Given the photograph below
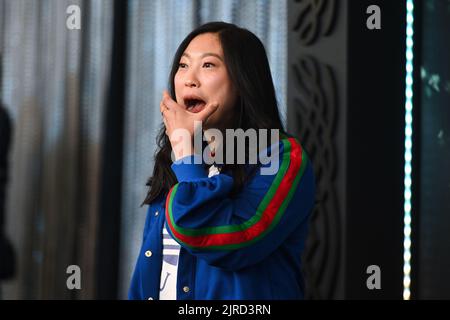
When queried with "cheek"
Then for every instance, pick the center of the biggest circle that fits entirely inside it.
(227, 97)
(212, 86)
(228, 101)
(219, 88)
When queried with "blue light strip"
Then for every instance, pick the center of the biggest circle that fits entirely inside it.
(408, 149)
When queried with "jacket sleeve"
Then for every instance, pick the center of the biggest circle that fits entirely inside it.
(236, 232)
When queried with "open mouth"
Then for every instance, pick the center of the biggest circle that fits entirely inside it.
(194, 105)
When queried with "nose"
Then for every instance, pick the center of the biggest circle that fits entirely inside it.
(191, 79)
(191, 83)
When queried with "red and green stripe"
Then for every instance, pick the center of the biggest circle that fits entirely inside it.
(267, 215)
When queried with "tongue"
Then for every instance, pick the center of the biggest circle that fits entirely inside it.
(197, 107)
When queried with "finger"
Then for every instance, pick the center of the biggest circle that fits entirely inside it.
(170, 103)
(165, 95)
(162, 108)
(208, 111)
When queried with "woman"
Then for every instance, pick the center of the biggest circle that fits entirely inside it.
(225, 231)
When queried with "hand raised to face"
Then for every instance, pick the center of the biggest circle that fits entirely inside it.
(176, 116)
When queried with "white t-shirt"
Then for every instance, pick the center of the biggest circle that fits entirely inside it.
(171, 253)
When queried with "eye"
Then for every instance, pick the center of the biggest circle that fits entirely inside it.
(208, 64)
(182, 65)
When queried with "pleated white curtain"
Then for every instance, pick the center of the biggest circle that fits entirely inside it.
(55, 82)
(155, 30)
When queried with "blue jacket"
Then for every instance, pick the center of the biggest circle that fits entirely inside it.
(244, 247)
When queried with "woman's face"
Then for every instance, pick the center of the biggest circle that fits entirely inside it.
(202, 78)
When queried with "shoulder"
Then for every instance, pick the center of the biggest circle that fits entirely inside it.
(286, 156)
(283, 170)
(293, 180)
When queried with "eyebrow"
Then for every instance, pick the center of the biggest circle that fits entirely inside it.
(204, 55)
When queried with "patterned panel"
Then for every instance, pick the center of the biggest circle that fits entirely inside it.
(314, 117)
(315, 19)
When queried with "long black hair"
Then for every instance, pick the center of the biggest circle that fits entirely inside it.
(256, 106)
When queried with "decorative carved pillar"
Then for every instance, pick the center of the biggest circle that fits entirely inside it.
(340, 83)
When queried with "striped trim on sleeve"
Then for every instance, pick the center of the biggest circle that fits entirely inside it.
(266, 217)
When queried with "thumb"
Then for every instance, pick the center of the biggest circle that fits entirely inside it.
(208, 111)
